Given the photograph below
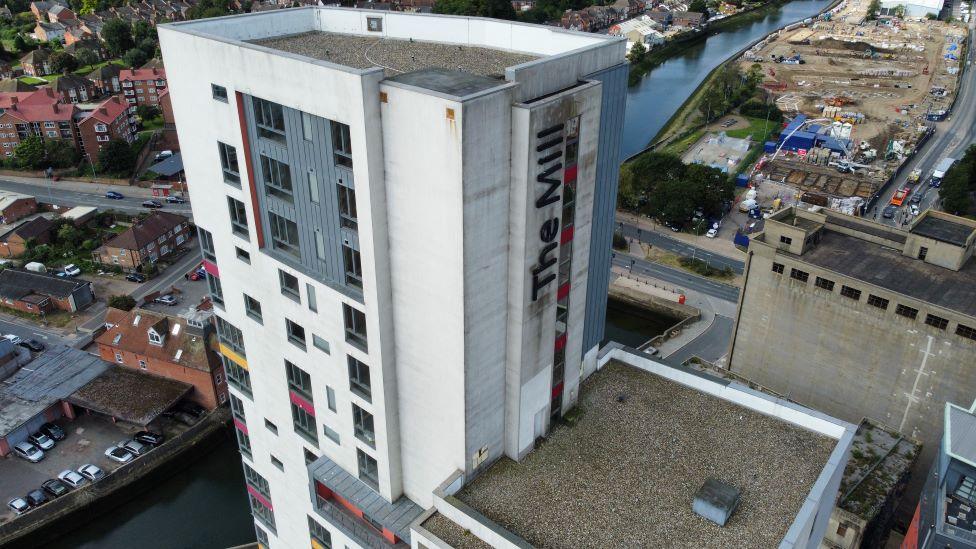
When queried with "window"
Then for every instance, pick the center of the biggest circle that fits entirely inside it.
(906, 311)
(230, 336)
(228, 162)
(922, 252)
(797, 274)
(289, 285)
(304, 423)
(313, 304)
(966, 332)
(308, 130)
(355, 324)
(347, 206)
(270, 426)
(936, 321)
(243, 442)
(270, 120)
(256, 481)
(284, 235)
(253, 308)
(243, 255)
(118, 358)
(216, 291)
(261, 536)
(320, 344)
(219, 92)
(277, 178)
(237, 377)
(142, 365)
(368, 471)
(313, 186)
(330, 434)
(319, 534)
(298, 380)
(359, 378)
(341, 146)
(353, 267)
(778, 268)
(878, 302)
(100, 128)
(206, 244)
(374, 24)
(362, 422)
(825, 284)
(238, 217)
(237, 407)
(785, 240)
(296, 334)
(277, 462)
(320, 252)
(847, 291)
(309, 456)
(330, 398)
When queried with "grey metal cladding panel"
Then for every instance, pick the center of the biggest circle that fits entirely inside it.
(613, 105)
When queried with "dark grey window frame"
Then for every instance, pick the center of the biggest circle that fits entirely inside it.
(346, 200)
(296, 334)
(284, 235)
(277, 178)
(363, 426)
(341, 144)
(352, 266)
(284, 280)
(269, 118)
(238, 218)
(360, 380)
(252, 308)
(354, 322)
(368, 469)
(229, 163)
(219, 93)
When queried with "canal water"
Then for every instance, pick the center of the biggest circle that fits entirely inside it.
(205, 505)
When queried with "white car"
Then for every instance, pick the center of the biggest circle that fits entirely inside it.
(91, 472)
(28, 451)
(13, 339)
(119, 454)
(712, 233)
(913, 209)
(72, 270)
(71, 478)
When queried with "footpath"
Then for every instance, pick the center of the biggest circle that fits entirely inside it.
(721, 245)
(74, 185)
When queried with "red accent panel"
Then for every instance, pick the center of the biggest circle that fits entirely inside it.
(249, 166)
(342, 501)
(911, 536)
(300, 401)
(563, 291)
(240, 426)
(569, 175)
(211, 268)
(260, 497)
(322, 491)
(560, 342)
(566, 235)
(557, 390)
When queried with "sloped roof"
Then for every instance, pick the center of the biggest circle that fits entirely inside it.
(69, 81)
(36, 56)
(13, 85)
(142, 74)
(105, 72)
(9, 197)
(107, 111)
(168, 167)
(31, 228)
(148, 230)
(15, 284)
(130, 332)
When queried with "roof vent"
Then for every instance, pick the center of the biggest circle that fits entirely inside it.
(622, 397)
(135, 321)
(716, 501)
(179, 353)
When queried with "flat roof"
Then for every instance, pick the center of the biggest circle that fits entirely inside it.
(943, 230)
(397, 56)
(130, 395)
(894, 271)
(960, 435)
(627, 470)
(880, 458)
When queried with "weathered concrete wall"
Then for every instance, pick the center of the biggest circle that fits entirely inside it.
(648, 301)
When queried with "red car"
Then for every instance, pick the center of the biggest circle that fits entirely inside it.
(198, 274)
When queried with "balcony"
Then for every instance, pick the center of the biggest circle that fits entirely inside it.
(353, 526)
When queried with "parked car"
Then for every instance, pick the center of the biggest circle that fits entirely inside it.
(53, 430)
(71, 478)
(55, 487)
(199, 274)
(175, 200)
(119, 454)
(135, 277)
(71, 270)
(13, 339)
(135, 447)
(184, 418)
(913, 208)
(152, 204)
(916, 198)
(114, 195)
(162, 155)
(19, 505)
(167, 299)
(889, 212)
(191, 408)
(36, 498)
(33, 345)
(28, 451)
(91, 472)
(149, 437)
(712, 233)
(41, 440)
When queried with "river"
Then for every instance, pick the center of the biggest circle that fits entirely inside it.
(205, 506)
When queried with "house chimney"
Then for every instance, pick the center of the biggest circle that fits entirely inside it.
(54, 107)
(13, 101)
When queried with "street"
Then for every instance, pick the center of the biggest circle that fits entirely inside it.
(677, 277)
(51, 193)
(710, 345)
(667, 243)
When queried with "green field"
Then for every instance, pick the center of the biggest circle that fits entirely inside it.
(759, 130)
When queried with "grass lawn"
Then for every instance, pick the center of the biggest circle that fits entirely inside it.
(33, 81)
(759, 130)
(152, 124)
(81, 71)
(681, 145)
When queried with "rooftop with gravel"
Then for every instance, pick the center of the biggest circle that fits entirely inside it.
(397, 56)
(625, 471)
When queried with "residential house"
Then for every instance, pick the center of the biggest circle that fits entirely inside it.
(40, 8)
(37, 62)
(13, 243)
(49, 31)
(7, 71)
(106, 79)
(577, 20)
(93, 24)
(661, 17)
(16, 206)
(75, 89)
(62, 14)
(40, 293)
(688, 19)
(641, 30)
(521, 5)
(169, 139)
(74, 42)
(146, 242)
(142, 86)
(107, 122)
(37, 114)
(168, 346)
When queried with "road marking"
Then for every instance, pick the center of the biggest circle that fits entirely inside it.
(921, 371)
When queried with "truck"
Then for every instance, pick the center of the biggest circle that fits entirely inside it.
(915, 175)
(899, 197)
(940, 170)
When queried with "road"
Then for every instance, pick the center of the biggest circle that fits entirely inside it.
(52, 194)
(677, 277)
(710, 345)
(952, 137)
(681, 248)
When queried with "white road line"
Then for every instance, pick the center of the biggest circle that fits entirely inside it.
(921, 371)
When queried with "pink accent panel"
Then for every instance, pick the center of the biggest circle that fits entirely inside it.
(211, 268)
(240, 426)
(299, 401)
(260, 497)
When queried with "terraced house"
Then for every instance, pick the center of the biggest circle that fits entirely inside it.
(156, 236)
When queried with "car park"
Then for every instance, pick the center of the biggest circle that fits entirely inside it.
(167, 299)
(119, 454)
(175, 200)
(191, 408)
(135, 447)
(91, 472)
(13, 339)
(71, 270)
(36, 497)
(114, 195)
(71, 478)
(28, 451)
(184, 418)
(32, 344)
(19, 505)
(149, 437)
(152, 204)
(41, 440)
(53, 430)
(55, 487)
(135, 277)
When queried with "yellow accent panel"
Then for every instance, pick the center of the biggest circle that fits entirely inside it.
(233, 356)
(317, 545)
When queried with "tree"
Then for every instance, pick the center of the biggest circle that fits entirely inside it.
(135, 58)
(118, 37)
(21, 44)
(68, 235)
(141, 30)
(59, 154)
(62, 62)
(30, 152)
(699, 6)
(873, 8)
(637, 53)
(86, 58)
(88, 7)
(124, 302)
(117, 158)
(147, 112)
(209, 8)
(498, 9)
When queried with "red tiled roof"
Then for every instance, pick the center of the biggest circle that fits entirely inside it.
(141, 74)
(139, 235)
(108, 111)
(47, 112)
(130, 332)
(9, 98)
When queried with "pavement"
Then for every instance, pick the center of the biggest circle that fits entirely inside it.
(81, 193)
(682, 280)
(718, 252)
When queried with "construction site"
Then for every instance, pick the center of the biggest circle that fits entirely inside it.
(866, 91)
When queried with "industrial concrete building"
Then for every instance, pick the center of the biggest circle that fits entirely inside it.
(406, 221)
(862, 320)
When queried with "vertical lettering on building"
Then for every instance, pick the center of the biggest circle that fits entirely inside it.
(549, 183)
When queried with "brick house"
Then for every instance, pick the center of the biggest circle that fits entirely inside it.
(61, 14)
(142, 86)
(167, 346)
(15, 206)
(106, 79)
(14, 242)
(40, 8)
(37, 114)
(145, 242)
(46, 31)
(75, 89)
(663, 17)
(688, 19)
(37, 62)
(77, 39)
(107, 122)
(40, 293)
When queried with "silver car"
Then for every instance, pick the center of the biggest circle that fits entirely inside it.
(28, 451)
(91, 472)
(71, 478)
(135, 447)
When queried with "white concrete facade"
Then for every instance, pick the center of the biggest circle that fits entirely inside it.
(460, 353)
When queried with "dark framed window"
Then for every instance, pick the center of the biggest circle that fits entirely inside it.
(252, 308)
(309, 456)
(298, 380)
(348, 216)
(786, 240)
(878, 302)
(778, 268)
(262, 512)
(243, 442)
(966, 332)
(231, 336)
(330, 433)
(219, 92)
(937, 321)
(362, 422)
(237, 407)
(797, 274)
(368, 470)
(270, 426)
(320, 344)
(284, 234)
(261, 536)
(216, 290)
(277, 462)
(296, 334)
(238, 217)
(318, 533)
(353, 267)
(922, 252)
(270, 120)
(238, 377)
(355, 325)
(359, 382)
(228, 163)
(304, 424)
(206, 244)
(256, 481)
(906, 311)
(341, 144)
(825, 284)
(847, 291)
(277, 179)
(243, 255)
(289, 285)
(330, 398)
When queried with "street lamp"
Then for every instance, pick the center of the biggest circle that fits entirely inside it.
(92, 164)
